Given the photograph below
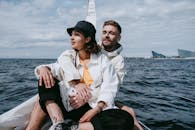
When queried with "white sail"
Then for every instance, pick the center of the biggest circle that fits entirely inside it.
(91, 13)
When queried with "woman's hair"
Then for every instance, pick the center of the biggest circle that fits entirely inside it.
(88, 30)
(91, 46)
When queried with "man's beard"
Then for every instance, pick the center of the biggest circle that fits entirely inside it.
(111, 47)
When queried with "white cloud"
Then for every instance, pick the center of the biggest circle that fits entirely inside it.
(44, 4)
(147, 24)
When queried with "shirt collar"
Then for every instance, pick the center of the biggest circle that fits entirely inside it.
(113, 53)
(93, 59)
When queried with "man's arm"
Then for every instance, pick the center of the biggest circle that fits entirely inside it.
(110, 84)
(119, 65)
(108, 90)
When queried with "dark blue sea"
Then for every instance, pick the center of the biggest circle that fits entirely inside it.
(162, 92)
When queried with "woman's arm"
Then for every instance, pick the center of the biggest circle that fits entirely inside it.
(63, 69)
(67, 62)
(46, 74)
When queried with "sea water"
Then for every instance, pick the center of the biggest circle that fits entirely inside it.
(161, 91)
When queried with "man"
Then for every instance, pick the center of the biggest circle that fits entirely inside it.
(111, 36)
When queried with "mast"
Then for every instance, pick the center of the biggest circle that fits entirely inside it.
(91, 13)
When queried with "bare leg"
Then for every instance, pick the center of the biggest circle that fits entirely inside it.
(54, 111)
(86, 126)
(36, 118)
(137, 126)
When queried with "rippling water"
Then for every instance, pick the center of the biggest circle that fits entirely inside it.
(162, 92)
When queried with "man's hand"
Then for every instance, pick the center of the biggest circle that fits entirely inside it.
(82, 97)
(92, 112)
(89, 115)
(45, 77)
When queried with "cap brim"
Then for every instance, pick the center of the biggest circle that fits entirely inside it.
(69, 30)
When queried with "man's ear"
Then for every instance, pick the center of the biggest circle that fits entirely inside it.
(88, 39)
(119, 37)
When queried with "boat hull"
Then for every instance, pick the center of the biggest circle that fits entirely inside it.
(18, 116)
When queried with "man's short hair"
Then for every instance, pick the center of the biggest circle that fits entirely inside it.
(113, 23)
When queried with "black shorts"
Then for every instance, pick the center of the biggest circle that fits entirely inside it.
(111, 119)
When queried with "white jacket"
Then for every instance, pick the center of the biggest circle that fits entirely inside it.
(117, 61)
(115, 58)
(105, 85)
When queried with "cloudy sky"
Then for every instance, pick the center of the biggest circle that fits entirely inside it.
(36, 28)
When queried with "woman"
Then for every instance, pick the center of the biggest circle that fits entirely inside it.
(97, 73)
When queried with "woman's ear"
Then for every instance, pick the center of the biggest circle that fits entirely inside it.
(88, 39)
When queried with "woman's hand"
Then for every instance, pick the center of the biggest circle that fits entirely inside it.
(89, 115)
(82, 97)
(45, 77)
(83, 91)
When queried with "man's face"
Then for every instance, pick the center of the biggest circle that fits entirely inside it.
(110, 35)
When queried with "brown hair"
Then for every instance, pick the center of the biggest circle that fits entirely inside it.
(91, 46)
(113, 23)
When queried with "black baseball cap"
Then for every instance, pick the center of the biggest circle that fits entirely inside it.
(86, 27)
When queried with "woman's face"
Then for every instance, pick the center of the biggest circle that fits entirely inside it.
(78, 40)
